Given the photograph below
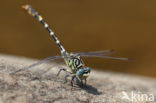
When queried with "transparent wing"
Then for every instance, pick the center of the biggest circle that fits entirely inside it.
(107, 57)
(40, 62)
(98, 53)
(101, 54)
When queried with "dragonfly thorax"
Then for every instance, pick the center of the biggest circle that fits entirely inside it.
(74, 61)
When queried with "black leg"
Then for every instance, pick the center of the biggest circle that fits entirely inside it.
(66, 78)
(60, 71)
(73, 77)
(85, 82)
(82, 83)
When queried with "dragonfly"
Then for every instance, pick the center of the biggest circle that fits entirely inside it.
(78, 69)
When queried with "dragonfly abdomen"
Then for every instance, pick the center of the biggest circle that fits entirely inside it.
(34, 13)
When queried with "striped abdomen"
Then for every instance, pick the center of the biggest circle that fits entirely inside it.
(34, 13)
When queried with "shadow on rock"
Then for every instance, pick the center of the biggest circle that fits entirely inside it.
(89, 88)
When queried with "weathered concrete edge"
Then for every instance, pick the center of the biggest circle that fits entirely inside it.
(23, 61)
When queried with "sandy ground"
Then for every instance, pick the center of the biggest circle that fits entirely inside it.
(41, 85)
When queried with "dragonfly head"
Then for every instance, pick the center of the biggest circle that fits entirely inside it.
(83, 73)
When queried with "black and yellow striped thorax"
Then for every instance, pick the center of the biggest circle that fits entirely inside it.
(74, 61)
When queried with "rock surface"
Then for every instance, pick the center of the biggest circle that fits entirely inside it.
(41, 85)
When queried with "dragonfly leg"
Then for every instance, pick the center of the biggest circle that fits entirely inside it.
(63, 69)
(66, 78)
(60, 71)
(82, 84)
(85, 82)
(73, 77)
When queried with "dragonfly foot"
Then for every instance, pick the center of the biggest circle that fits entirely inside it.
(65, 81)
(73, 77)
(83, 84)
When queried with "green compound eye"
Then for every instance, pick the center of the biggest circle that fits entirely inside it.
(88, 70)
(80, 72)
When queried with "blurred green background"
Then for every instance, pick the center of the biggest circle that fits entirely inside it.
(127, 26)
